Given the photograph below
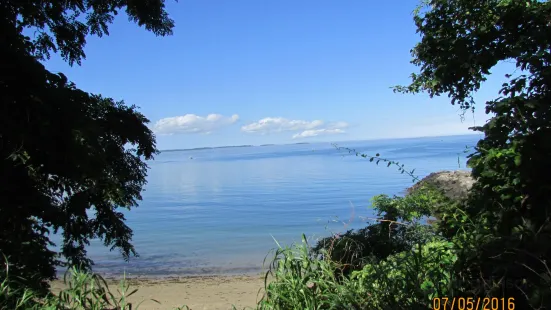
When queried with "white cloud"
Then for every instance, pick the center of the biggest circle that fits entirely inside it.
(279, 124)
(337, 125)
(307, 128)
(191, 123)
(317, 132)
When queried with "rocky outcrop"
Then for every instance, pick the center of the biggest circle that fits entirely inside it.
(453, 184)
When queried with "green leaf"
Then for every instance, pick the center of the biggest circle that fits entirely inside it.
(518, 160)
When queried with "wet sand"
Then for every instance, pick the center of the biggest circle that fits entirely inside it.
(198, 292)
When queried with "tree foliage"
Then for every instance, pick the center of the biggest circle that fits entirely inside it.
(70, 160)
(510, 205)
(62, 26)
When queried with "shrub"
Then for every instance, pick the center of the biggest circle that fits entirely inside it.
(393, 231)
(299, 279)
(410, 279)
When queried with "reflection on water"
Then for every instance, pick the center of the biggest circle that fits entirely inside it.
(217, 213)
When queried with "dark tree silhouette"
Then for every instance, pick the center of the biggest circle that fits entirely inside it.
(70, 160)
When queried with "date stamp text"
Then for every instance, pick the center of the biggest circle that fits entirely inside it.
(473, 303)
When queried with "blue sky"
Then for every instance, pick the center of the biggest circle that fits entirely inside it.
(258, 72)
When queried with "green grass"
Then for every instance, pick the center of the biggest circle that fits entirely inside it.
(302, 280)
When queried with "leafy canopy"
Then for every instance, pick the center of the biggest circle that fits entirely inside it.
(70, 160)
(63, 25)
(461, 41)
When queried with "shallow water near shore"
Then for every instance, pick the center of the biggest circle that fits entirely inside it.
(217, 211)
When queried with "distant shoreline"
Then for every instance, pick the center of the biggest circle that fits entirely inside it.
(226, 147)
(299, 143)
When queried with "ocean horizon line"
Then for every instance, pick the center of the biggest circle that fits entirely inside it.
(316, 142)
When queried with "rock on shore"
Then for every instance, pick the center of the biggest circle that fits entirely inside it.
(454, 184)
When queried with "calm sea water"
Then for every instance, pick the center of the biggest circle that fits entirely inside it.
(218, 211)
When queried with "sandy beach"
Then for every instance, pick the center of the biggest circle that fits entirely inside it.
(201, 292)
